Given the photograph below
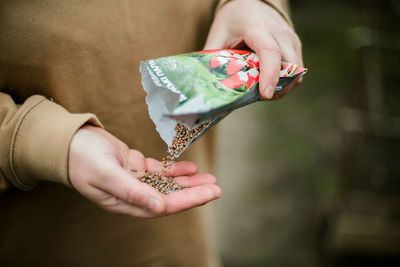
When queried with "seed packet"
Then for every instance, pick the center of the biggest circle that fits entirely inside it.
(203, 87)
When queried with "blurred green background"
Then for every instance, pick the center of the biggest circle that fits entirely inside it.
(314, 179)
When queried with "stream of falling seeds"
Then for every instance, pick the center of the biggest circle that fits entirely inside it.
(183, 137)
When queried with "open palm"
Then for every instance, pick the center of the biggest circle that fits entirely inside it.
(99, 169)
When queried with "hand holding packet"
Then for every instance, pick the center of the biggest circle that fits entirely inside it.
(203, 87)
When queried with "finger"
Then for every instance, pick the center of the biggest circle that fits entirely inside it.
(121, 184)
(270, 61)
(177, 169)
(196, 180)
(289, 53)
(136, 160)
(298, 48)
(190, 198)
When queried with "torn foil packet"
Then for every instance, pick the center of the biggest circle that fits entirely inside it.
(203, 86)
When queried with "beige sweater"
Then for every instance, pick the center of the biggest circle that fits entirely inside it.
(61, 62)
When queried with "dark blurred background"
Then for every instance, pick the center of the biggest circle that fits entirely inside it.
(314, 179)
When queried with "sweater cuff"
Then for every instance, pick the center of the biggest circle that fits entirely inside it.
(40, 145)
(279, 5)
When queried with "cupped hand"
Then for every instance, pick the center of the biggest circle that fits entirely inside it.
(99, 169)
(260, 27)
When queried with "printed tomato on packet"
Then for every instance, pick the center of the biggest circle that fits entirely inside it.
(204, 86)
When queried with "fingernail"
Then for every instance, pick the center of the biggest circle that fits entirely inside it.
(269, 91)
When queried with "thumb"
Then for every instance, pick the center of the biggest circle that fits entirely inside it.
(270, 62)
(126, 187)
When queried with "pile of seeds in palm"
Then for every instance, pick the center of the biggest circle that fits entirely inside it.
(165, 185)
(182, 139)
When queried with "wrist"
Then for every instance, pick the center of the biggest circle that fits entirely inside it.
(40, 147)
(281, 6)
